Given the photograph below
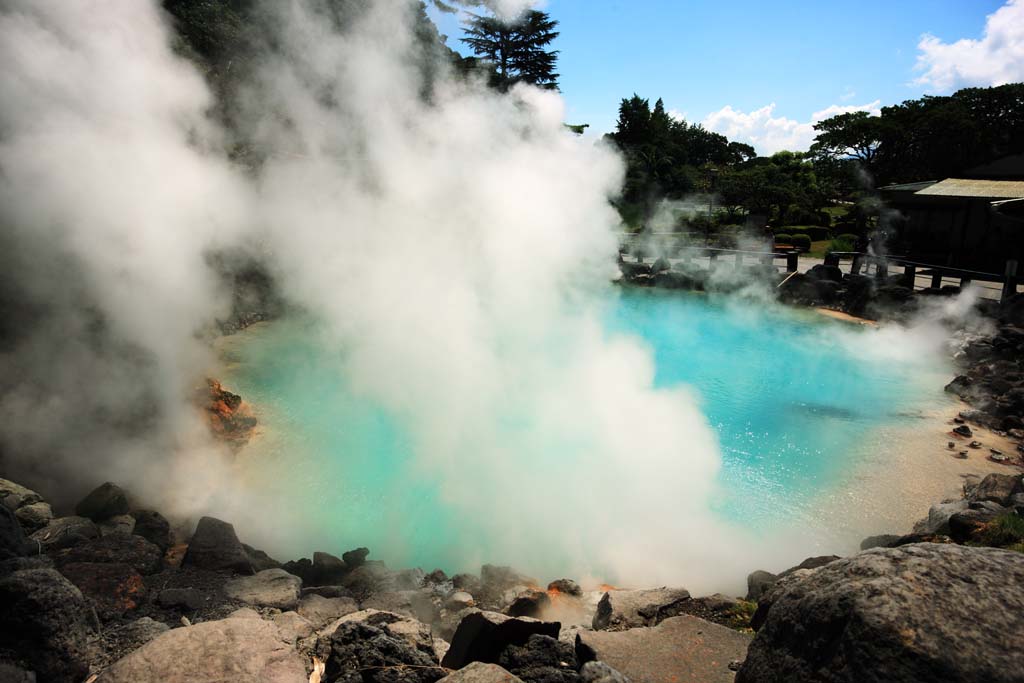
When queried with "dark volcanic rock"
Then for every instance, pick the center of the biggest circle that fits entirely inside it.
(34, 516)
(214, 545)
(46, 619)
(328, 570)
(188, 599)
(13, 542)
(369, 578)
(466, 582)
(13, 496)
(153, 527)
(925, 612)
(355, 558)
(482, 636)
(113, 587)
(997, 488)
(566, 587)
(105, 501)
(542, 659)
(361, 653)
(65, 532)
(135, 551)
(529, 605)
(965, 526)
(259, 559)
(880, 541)
(758, 583)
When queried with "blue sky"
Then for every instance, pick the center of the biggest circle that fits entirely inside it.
(725, 63)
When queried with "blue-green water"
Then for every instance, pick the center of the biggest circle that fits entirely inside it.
(792, 396)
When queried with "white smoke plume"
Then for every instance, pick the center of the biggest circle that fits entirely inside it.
(457, 247)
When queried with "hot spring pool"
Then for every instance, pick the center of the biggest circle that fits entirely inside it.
(796, 401)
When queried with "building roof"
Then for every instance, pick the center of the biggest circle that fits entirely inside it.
(963, 187)
(908, 187)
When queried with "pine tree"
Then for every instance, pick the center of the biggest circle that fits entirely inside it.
(517, 51)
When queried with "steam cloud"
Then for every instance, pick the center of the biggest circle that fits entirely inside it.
(458, 250)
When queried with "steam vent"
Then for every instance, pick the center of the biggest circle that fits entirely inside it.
(511, 341)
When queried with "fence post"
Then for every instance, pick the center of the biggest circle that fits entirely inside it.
(936, 278)
(858, 261)
(792, 261)
(832, 259)
(910, 276)
(1010, 283)
(881, 269)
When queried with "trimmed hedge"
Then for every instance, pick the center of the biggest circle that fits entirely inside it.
(801, 241)
(783, 238)
(815, 232)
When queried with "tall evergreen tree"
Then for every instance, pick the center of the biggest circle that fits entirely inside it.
(518, 50)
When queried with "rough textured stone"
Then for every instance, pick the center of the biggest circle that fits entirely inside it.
(566, 587)
(153, 527)
(482, 636)
(103, 502)
(355, 558)
(937, 521)
(143, 630)
(113, 587)
(369, 578)
(413, 632)
(600, 672)
(214, 545)
(269, 588)
(880, 541)
(13, 496)
(321, 611)
(682, 648)
(619, 609)
(542, 659)
(34, 516)
(478, 672)
(235, 650)
(530, 604)
(65, 532)
(134, 551)
(118, 525)
(997, 488)
(14, 674)
(923, 612)
(187, 599)
(13, 542)
(259, 559)
(328, 570)
(293, 625)
(758, 583)
(46, 618)
(361, 653)
(458, 600)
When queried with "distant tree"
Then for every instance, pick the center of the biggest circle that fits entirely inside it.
(517, 50)
(855, 135)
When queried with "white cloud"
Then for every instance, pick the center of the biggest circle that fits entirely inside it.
(678, 115)
(769, 133)
(995, 59)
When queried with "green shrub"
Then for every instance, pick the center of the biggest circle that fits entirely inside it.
(849, 237)
(1005, 530)
(783, 238)
(817, 233)
(841, 243)
(739, 616)
(801, 241)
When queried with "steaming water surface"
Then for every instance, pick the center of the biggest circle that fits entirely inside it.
(797, 403)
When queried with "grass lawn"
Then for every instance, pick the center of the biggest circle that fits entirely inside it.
(818, 248)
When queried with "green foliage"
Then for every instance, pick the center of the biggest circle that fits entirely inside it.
(578, 128)
(842, 243)
(930, 138)
(1005, 530)
(783, 238)
(801, 242)
(815, 232)
(517, 51)
(739, 616)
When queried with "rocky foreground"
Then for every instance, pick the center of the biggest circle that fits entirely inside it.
(113, 593)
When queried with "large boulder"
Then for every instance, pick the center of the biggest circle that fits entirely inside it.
(269, 588)
(541, 659)
(154, 527)
(622, 609)
(997, 488)
(12, 537)
(758, 583)
(65, 532)
(419, 604)
(924, 612)
(236, 650)
(482, 636)
(320, 611)
(682, 648)
(937, 521)
(46, 619)
(13, 496)
(355, 558)
(34, 516)
(103, 502)
(214, 545)
(135, 551)
(328, 570)
(416, 633)
(358, 652)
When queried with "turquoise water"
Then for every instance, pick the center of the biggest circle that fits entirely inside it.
(793, 398)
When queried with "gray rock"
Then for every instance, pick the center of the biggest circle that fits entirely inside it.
(682, 648)
(103, 502)
(268, 588)
(482, 636)
(293, 625)
(937, 521)
(135, 551)
(811, 563)
(259, 559)
(47, 619)
(466, 582)
(963, 526)
(458, 600)
(500, 585)
(997, 488)
(478, 672)
(13, 496)
(758, 583)
(65, 532)
(600, 672)
(369, 578)
(355, 558)
(143, 630)
(541, 659)
(118, 525)
(34, 516)
(924, 612)
(529, 604)
(13, 542)
(236, 650)
(566, 587)
(413, 632)
(187, 599)
(880, 541)
(622, 609)
(214, 545)
(360, 652)
(329, 570)
(320, 611)
(153, 527)
(327, 591)
(418, 604)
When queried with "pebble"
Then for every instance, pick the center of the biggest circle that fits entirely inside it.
(963, 454)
